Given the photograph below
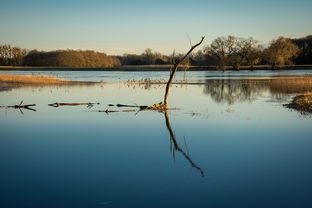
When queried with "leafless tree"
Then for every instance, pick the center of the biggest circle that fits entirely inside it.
(175, 68)
(280, 52)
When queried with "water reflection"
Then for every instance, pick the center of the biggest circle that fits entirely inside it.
(89, 156)
(231, 91)
(176, 146)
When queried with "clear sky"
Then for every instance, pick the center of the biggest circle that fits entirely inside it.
(130, 26)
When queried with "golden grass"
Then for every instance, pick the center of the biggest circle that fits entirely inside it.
(35, 79)
(291, 85)
(302, 102)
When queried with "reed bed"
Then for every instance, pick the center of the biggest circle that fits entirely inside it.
(302, 102)
(28, 79)
(291, 85)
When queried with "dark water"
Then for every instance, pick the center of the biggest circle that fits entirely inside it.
(234, 144)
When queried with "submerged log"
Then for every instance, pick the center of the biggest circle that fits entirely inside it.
(141, 107)
(89, 105)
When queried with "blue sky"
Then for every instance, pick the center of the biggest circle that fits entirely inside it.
(118, 27)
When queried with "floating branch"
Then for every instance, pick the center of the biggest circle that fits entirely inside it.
(141, 107)
(89, 105)
(20, 106)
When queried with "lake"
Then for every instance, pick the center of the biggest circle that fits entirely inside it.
(228, 142)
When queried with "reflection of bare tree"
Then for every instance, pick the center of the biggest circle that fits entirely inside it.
(232, 90)
(177, 147)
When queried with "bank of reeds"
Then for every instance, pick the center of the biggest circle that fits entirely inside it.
(302, 103)
(36, 79)
(11, 81)
(291, 85)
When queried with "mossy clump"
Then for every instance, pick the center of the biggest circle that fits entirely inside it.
(302, 103)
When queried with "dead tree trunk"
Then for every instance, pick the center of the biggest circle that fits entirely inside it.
(175, 68)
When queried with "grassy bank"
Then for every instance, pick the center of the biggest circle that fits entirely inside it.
(148, 68)
(302, 103)
(36, 79)
(11, 81)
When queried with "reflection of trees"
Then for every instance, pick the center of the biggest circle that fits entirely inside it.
(231, 91)
(176, 146)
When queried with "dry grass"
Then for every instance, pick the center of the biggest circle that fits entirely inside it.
(35, 79)
(302, 102)
(291, 85)
(11, 81)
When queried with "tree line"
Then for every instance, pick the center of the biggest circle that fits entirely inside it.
(223, 52)
(15, 56)
(234, 52)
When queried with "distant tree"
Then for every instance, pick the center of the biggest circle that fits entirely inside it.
(148, 56)
(280, 52)
(160, 59)
(254, 56)
(222, 48)
(185, 63)
(305, 50)
(242, 47)
(11, 56)
(198, 58)
(131, 59)
(70, 58)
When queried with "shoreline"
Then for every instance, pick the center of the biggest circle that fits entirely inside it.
(151, 68)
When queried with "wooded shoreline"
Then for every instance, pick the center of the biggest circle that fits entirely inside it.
(151, 68)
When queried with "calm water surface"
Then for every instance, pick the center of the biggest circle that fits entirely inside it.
(234, 145)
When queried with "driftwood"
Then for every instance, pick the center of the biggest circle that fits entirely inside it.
(20, 106)
(89, 105)
(141, 107)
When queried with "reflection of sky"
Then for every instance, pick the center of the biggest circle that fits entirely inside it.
(258, 154)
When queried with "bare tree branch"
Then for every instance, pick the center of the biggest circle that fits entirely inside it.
(175, 68)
